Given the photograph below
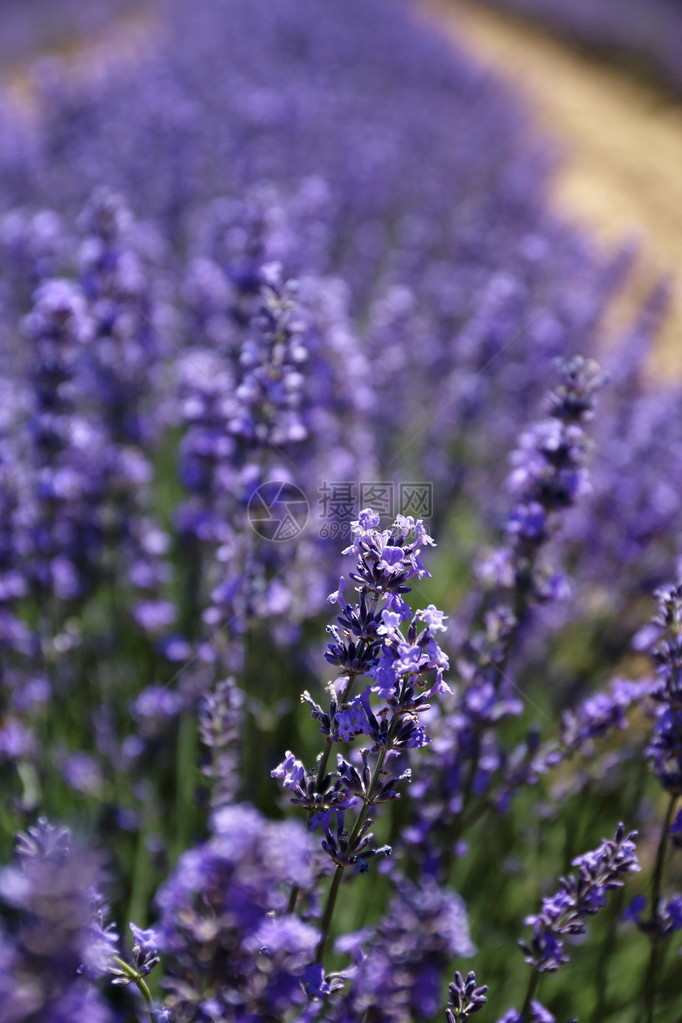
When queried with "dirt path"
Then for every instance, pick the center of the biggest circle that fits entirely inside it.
(623, 142)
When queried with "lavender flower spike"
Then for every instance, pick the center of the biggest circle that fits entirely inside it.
(406, 670)
(563, 913)
(464, 998)
(665, 757)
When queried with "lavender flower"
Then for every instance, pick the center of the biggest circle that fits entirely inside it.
(230, 947)
(549, 473)
(664, 752)
(535, 1013)
(51, 939)
(302, 304)
(665, 748)
(407, 669)
(464, 998)
(64, 445)
(220, 725)
(370, 642)
(578, 896)
(401, 962)
(597, 714)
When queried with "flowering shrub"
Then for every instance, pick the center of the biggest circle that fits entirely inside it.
(299, 250)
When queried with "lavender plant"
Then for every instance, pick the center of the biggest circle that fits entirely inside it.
(664, 753)
(49, 946)
(548, 476)
(406, 669)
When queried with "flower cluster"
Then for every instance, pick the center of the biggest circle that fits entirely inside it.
(405, 669)
(665, 748)
(464, 998)
(578, 896)
(469, 757)
(232, 945)
(400, 963)
(549, 475)
(48, 943)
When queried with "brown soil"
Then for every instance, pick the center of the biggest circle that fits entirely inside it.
(622, 176)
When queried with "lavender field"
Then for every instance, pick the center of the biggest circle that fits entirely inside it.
(340, 571)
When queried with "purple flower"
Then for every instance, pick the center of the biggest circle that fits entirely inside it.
(291, 771)
(464, 998)
(56, 934)
(581, 895)
(635, 909)
(400, 974)
(225, 907)
(146, 940)
(315, 981)
(538, 1014)
(665, 748)
(351, 721)
(601, 712)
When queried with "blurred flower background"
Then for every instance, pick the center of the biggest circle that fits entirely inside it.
(340, 406)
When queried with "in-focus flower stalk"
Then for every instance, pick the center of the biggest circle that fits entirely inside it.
(404, 669)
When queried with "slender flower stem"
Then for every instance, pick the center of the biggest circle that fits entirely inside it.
(321, 771)
(652, 978)
(530, 995)
(324, 758)
(328, 914)
(293, 898)
(325, 924)
(657, 877)
(605, 956)
(140, 983)
(656, 881)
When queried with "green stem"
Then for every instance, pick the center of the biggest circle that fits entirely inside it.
(328, 914)
(656, 883)
(605, 956)
(140, 883)
(530, 995)
(186, 756)
(321, 771)
(652, 977)
(293, 898)
(657, 876)
(140, 983)
(322, 766)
